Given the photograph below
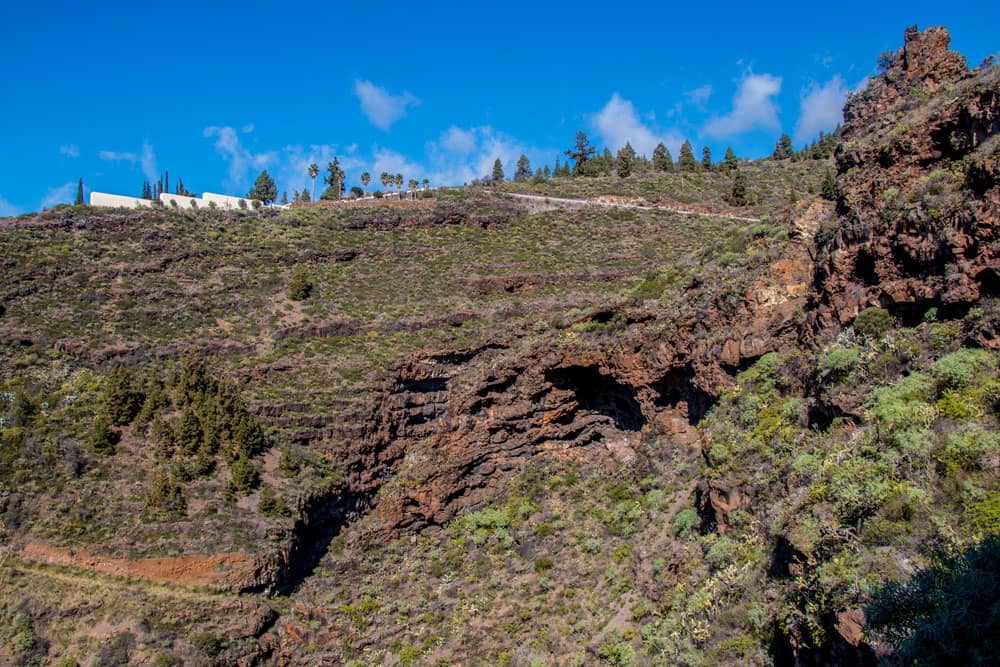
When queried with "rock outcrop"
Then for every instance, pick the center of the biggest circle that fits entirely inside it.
(919, 188)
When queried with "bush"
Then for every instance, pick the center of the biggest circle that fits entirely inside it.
(244, 475)
(102, 438)
(872, 323)
(959, 368)
(122, 400)
(166, 494)
(271, 503)
(543, 564)
(947, 614)
(840, 360)
(685, 520)
(299, 287)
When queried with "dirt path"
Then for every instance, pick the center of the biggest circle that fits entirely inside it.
(558, 202)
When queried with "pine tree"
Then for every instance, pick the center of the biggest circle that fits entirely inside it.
(497, 171)
(79, 193)
(661, 158)
(264, 189)
(284, 198)
(829, 188)
(730, 159)
(582, 152)
(686, 161)
(623, 164)
(739, 195)
(783, 149)
(523, 172)
(557, 171)
(706, 157)
(546, 172)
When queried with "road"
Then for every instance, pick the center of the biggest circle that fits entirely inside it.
(557, 202)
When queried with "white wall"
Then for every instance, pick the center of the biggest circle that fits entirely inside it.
(182, 201)
(104, 199)
(226, 202)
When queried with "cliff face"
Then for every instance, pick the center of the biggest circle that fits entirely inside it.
(918, 175)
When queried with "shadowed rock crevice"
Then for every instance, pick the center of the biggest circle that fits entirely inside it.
(599, 393)
(676, 389)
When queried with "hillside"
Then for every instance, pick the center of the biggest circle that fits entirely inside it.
(471, 429)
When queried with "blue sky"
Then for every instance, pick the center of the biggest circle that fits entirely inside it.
(118, 92)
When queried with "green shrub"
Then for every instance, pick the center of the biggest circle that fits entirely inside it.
(959, 368)
(947, 614)
(872, 322)
(244, 475)
(208, 644)
(166, 494)
(967, 449)
(685, 520)
(840, 360)
(299, 287)
(543, 564)
(122, 400)
(102, 438)
(945, 334)
(271, 503)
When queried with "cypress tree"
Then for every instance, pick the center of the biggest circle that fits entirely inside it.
(79, 193)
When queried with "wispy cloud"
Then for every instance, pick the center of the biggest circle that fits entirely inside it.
(63, 194)
(7, 209)
(820, 108)
(460, 155)
(240, 159)
(145, 158)
(618, 123)
(753, 108)
(116, 156)
(148, 162)
(699, 96)
(70, 150)
(380, 106)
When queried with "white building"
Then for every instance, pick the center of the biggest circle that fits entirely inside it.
(181, 201)
(228, 203)
(118, 201)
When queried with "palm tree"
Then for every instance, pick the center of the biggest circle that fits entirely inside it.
(313, 173)
(385, 180)
(366, 178)
(399, 181)
(426, 183)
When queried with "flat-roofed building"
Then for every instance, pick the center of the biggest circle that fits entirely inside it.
(119, 201)
(181, 201)
(227, 202)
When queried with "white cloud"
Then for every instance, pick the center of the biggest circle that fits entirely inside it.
(618, 123)
(753, 108)
(240, 159)
(820, 108)
(63, 194)
(457, 140)
(70, 150)
(380, 106)
(118, 156)
(7, 209)
(148, 162)
(699, 96)
(248, 128)
(461, 155)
